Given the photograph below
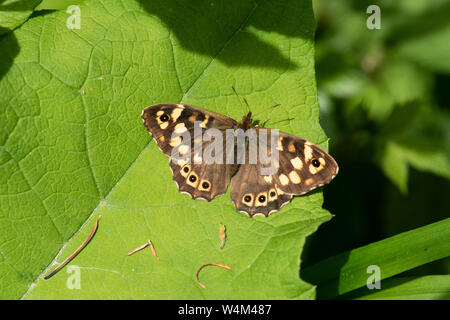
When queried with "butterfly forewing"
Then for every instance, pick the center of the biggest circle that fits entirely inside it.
(167, 123)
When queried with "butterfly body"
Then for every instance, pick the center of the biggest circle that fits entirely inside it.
(300, 166)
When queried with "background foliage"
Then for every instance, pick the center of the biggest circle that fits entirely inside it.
(384, 98)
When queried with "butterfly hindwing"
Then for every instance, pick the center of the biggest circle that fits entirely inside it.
(300, 167)
(201, 181)
(252, 194)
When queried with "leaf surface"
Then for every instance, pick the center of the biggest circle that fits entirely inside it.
(15, 12)
(73, 147)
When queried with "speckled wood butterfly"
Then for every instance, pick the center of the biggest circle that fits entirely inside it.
(300, 166)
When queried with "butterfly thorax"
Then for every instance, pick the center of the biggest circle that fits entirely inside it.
(246, 122)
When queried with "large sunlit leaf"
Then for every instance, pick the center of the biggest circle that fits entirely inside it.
(73, 147)
(15, 12)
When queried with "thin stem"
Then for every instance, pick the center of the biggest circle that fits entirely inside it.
(138, 249)
(74, 254)
(209, 264)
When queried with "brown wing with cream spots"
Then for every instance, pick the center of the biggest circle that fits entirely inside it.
(303, 166)
(162, 120)
(169, 123)
(201, 181)
(252, 194)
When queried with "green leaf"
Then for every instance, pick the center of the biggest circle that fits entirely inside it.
(394, 165)
(57, 4)
(73, 146)
(15, 12)
(348, 271)
(426, 42)
(425, 155)
(414, 135)
(404, 81)
(436, 287)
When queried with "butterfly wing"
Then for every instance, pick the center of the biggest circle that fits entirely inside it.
(252, 194)
(301, 167)
(168, 123)
(161, 121)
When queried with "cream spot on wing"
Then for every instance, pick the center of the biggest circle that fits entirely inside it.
(176, 114)
(276, 163)
(185, 170)
(279, 191)
(180, 128)
(284, 179)
(250, 199)
(280, 144)
(312, 169)
(180, 106)
(192, 118)
(297, 163)
(164, 125)
(309, 181)
(259, 203)
(181, 162)
(183, 149)
(322, 161)
(204, 185)
(259, 214)
(197, 158)
(268, 179)
(162, 139)
(192, 180)
(291, 147)
(308, 152)
(295, 178)
(204, 122)
(175, 141)
(272, 194)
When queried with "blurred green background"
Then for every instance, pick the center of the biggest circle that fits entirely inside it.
(384, 96)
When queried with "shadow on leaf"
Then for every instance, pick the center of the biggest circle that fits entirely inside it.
(228, 30)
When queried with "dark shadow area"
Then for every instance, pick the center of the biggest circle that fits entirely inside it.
(371, 210)
(23, 5)
(9, 49)
(356, 223)
(206, 27)
(413, 26)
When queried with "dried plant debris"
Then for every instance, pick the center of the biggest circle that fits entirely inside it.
(138, 249)
(147, 244)
(209, 264)
(74, 254)
(222, 235)
(153, 249)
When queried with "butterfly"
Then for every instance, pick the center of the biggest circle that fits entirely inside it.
(301, 166)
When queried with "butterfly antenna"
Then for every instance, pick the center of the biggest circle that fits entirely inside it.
(277, 105)
(246, 103)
